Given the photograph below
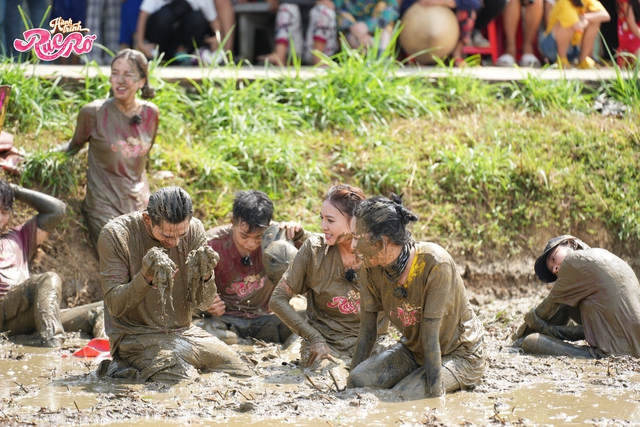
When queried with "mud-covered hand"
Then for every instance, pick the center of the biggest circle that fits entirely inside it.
(539, 325)
(157, 267)
(319, 351)
(200, 265)
(217, 308)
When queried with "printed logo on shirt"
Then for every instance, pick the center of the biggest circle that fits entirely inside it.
(132, 147)
(251, 284)
(347, 305)
(64, 38)
(408, 314)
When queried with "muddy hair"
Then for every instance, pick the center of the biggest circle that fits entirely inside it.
(254, 208)
(170, 204)
(380, 216)
(7, 195)
(345, 198)
(139, 61)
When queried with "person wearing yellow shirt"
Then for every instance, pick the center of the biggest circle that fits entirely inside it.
(571, 32)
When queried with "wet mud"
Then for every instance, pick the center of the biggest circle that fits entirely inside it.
(200, 264)
(48, 387)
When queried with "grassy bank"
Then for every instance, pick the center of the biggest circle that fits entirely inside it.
(484, 165)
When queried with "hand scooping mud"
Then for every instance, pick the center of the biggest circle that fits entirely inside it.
(157, 268)
(319, 351)
(200, 265)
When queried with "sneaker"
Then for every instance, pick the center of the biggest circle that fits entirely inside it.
(587, 64)
(478, 40)
(505, 60)
(529, 60)
(209, 58)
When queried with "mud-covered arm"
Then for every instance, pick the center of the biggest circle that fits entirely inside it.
(121, 292)
(537, 319)
(279, 304)
(84, 127)
(366, 337)
(430, 334)
(50, 210)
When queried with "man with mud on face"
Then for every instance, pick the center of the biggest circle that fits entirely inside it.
(418, 286)
(155, 268)
(32, 303)
(594, 288)
(254, 253)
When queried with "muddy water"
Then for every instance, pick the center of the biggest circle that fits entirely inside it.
(44, 386)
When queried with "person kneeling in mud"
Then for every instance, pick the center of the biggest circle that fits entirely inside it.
(418, 286)
(31, 304)
(253, 256)
(594, 288)
(155, 268)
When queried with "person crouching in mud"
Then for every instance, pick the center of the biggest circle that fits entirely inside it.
(419, 288)
(155, 267)
(594, 288)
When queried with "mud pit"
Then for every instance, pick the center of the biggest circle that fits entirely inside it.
(46, 387)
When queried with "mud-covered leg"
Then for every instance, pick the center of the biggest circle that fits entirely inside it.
(87, 318)
(384, 370)
(544, 344)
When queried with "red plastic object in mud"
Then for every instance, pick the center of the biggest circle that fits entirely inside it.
(95, 347)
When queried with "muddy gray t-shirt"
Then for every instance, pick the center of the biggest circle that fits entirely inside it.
(607, 291)
(434, 290)
(118, 153)
(333, 303)
(134, 307)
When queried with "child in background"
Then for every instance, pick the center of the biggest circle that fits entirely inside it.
(628, 32)
(359, 19)
(571, 32)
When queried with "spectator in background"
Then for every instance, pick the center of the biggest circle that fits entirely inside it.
(359, 19)
(3, 46)
(76, 10)
(490, 10)
(628, 31)
(128, 23)
(466, 12)
(571, 32)
(531, 22)
(176, 28)
(103, 19)
(35, 12)
(320, 35)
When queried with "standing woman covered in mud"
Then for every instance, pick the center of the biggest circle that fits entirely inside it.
(120, 130)
(326, 270)
(417, 285)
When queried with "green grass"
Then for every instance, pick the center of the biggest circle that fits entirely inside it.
(489, 168)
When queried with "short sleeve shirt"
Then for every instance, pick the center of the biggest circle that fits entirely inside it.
(207, 7)
(607, 291)
(245, 289)
(333, 303)
(118, 153)
(17, 247)
(434, 290)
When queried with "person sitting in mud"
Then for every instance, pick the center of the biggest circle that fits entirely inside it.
(594, 288)
(155, 268)
(31, 304)
(418, 286)
(253, 256)
(327, 271)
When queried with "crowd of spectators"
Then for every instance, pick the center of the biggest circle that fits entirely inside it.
(531, 32)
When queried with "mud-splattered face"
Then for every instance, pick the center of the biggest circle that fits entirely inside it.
(5, 216)
(169, 235)
(125, 80)
(556, 258)
(245, 241)
(372, 254)
(335, 225)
